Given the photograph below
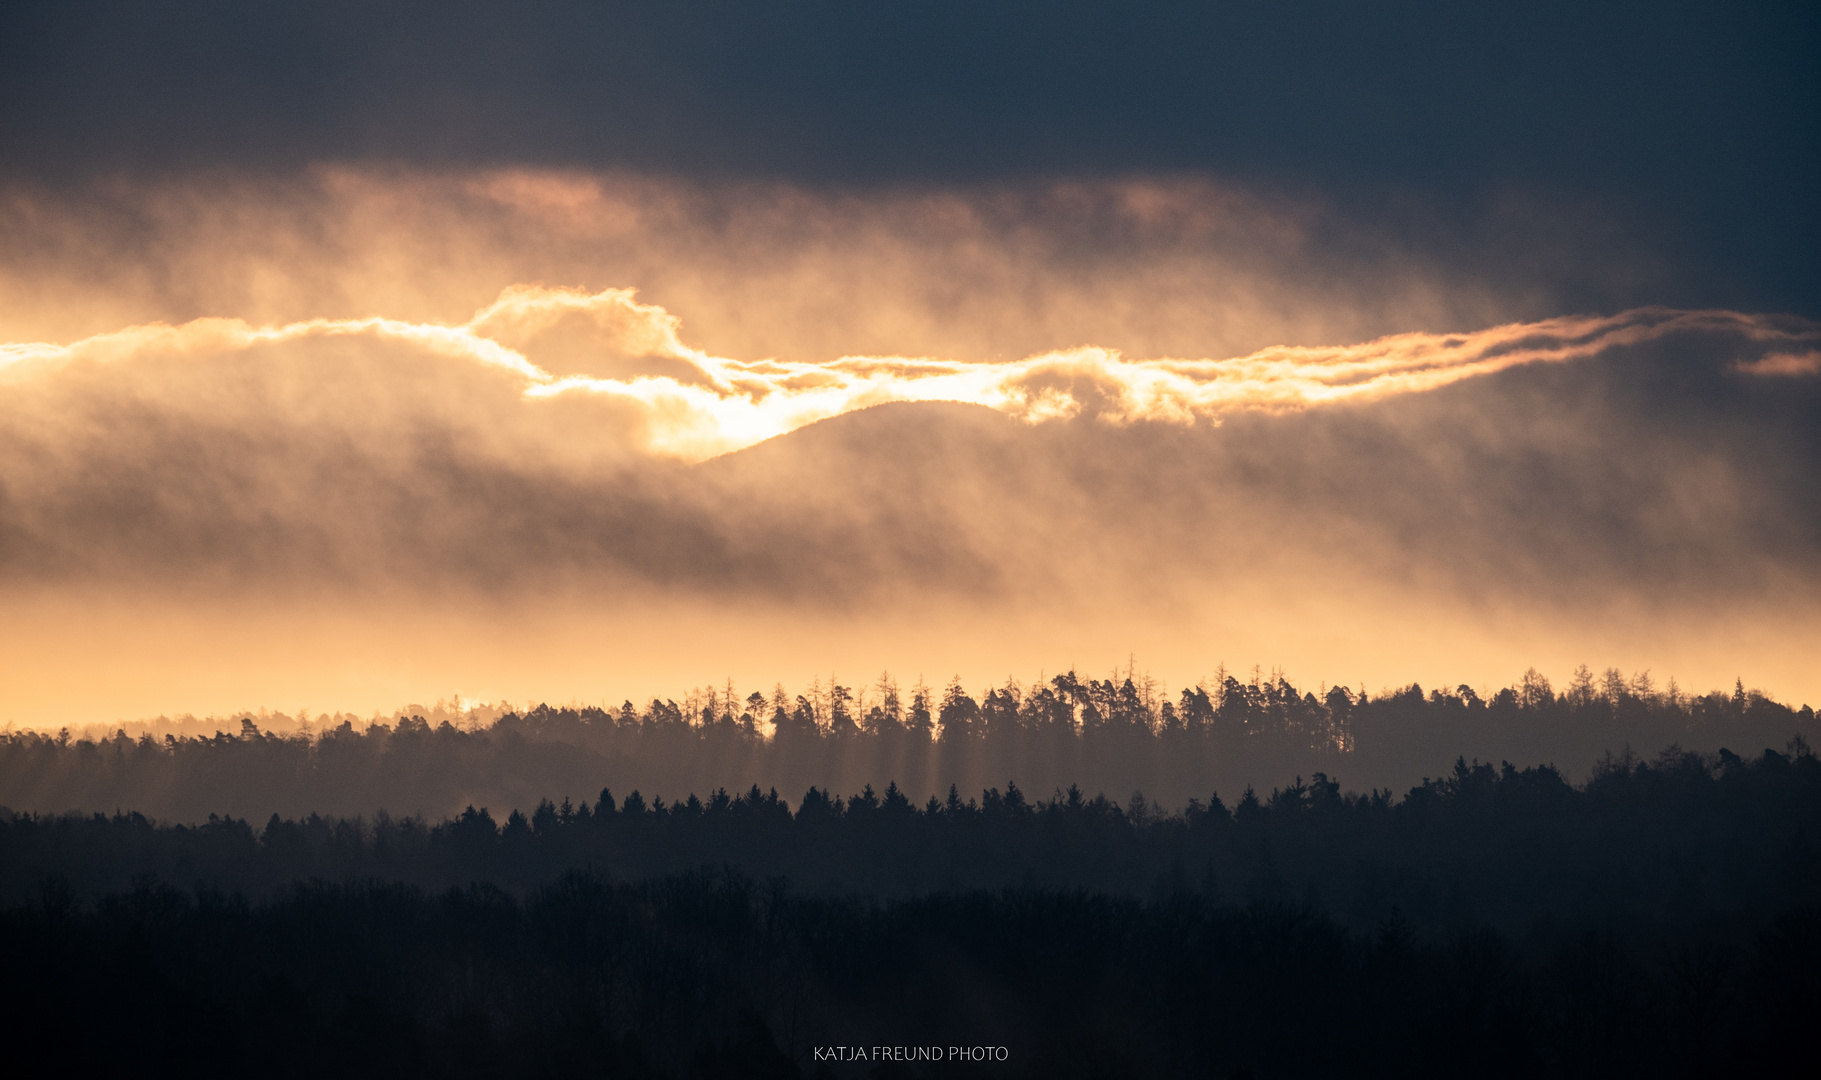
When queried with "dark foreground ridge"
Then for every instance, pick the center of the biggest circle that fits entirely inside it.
(712, 975)
(1659, 920)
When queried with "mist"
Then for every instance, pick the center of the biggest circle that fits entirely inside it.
(329, 442)
(1152, 264)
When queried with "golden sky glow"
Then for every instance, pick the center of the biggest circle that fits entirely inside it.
(358, 438)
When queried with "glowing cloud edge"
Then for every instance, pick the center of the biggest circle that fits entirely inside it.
(732, 404)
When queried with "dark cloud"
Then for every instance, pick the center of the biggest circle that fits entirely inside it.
(1689, 126)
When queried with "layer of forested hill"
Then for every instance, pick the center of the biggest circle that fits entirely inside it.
(626, 892)
(1643, 842)
(1117, 735)
(716, 976)
(1660, 919)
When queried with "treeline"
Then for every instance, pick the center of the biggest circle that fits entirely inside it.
(1120, 734)
(1640, 844)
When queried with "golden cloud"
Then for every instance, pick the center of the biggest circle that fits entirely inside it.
(1785, 363)
(605, 347)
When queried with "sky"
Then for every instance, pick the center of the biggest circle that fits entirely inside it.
(361, 354)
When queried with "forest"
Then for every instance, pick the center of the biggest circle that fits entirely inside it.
(1660, 919)
(1119, 735)
(578, 891)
